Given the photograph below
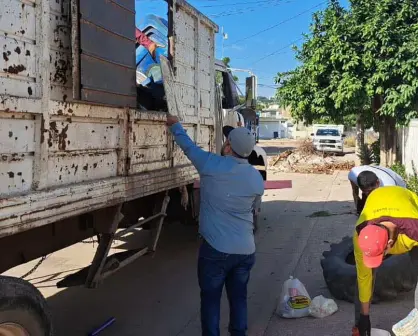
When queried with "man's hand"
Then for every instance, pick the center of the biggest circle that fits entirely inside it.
(171, 120)
(152, 47)
(364, 325)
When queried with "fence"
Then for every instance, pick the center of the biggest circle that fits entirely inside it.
(409, 143)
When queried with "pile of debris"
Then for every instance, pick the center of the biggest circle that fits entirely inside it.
(306, 159)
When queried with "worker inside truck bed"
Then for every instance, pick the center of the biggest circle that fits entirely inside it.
(388, 224)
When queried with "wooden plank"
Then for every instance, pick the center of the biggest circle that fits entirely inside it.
(108, 46)
(110, 16)
(171, 89)
(18, 20)
(103, 76)
(75, 51)
(15, 174)
(18, 57)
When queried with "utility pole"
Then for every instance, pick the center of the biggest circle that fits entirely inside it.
(224, 37)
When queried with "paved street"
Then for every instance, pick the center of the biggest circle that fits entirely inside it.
(159, 296)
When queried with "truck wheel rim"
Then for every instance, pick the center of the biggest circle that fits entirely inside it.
(12, 329)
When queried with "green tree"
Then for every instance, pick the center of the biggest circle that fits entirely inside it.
(361, 61)
(227, 62)
(218, 76)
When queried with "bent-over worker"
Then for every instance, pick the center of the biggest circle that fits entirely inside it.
(368, 178)
(230, 189)
(387, 225)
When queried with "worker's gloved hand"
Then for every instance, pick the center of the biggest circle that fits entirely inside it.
(364, 325)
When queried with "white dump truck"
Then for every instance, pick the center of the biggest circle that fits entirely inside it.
(80, 156)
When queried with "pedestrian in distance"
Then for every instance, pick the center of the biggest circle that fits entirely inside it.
(368, 178)
(230, 189)
(388, 224)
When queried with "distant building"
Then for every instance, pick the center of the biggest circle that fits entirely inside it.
(275, 123)
(274, 110)
(273, 128)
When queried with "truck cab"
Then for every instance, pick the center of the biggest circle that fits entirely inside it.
(239, 115)
(328, 138)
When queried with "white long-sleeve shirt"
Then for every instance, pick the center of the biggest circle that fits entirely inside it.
(386, 176)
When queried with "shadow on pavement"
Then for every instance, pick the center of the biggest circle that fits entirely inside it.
(159, 296)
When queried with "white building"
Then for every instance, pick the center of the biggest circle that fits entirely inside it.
(272, 125)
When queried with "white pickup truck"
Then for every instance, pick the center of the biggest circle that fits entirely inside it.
(328, 138)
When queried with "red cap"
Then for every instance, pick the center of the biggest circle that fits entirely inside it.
(372, 241)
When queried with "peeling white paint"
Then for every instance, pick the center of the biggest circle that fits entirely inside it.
(64, 157)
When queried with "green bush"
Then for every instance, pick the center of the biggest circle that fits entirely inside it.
(370, 153)
(410, 179)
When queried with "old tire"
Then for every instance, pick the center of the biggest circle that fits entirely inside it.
(396, 274)
(23, 309)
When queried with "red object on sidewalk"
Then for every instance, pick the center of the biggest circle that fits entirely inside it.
(278, 184)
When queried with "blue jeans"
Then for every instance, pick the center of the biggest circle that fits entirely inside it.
(216, 269)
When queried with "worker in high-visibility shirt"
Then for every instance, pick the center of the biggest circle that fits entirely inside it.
(388, 224)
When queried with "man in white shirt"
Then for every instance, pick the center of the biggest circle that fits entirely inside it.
(368, 178)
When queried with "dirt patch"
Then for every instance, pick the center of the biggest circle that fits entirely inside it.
(305, 159)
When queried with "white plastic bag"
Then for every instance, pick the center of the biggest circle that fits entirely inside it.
(408, 326)
(322, 307)
(294, 300)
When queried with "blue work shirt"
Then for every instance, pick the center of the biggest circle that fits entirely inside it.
(230, 188)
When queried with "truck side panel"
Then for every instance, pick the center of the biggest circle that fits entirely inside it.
(19, 46)
(59, 50)
(194, 66)
(17, 135)
(60, 157)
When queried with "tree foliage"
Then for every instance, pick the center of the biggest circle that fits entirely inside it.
(358, 60)
(227, 61)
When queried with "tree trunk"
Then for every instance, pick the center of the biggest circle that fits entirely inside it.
(360, 150)
(388, 139)
(387, 134)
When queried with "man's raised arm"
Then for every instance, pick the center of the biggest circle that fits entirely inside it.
(194, 153)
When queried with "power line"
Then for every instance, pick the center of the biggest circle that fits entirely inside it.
(238, 3)
(277, 51)
(273, 86)
(279, 24)
(239, 11)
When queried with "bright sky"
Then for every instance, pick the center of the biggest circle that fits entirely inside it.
(260, 33)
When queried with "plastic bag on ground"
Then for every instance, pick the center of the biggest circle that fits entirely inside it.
(294, 300)
(322, 307)
(408, 326)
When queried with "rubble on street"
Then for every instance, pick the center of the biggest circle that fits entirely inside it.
(306, 159)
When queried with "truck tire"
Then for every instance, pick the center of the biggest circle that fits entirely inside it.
(396, 274)
(23, 309)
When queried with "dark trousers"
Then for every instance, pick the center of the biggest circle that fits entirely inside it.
(216, 269)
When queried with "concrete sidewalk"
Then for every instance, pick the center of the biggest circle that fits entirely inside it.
(160, 296)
